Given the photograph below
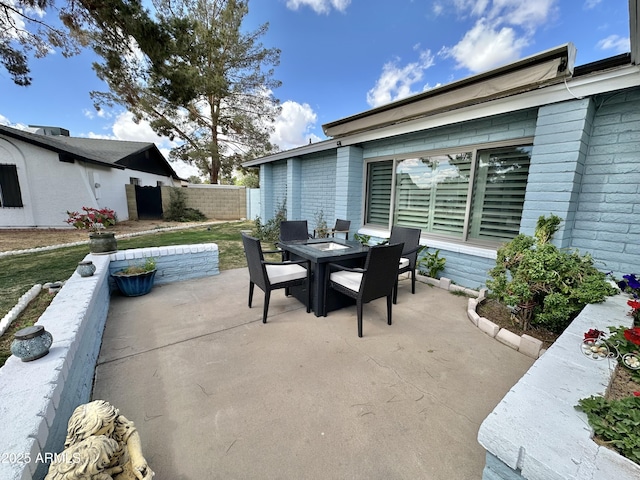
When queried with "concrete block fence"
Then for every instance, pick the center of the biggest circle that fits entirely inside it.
(38, 397)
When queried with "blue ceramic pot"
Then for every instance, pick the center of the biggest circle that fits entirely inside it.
(134, 285)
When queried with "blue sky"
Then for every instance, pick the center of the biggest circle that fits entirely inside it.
(342, 57)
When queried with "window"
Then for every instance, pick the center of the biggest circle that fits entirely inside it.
(134, 181)
(10, 195)
(433, 192)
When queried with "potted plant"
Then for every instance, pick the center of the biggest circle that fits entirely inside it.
(136, 280)
(96, 221)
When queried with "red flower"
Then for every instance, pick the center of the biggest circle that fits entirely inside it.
(636, 394)
(635, 304)
(593, 333)
(633, 335)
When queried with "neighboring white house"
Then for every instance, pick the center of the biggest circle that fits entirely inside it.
(47, 173)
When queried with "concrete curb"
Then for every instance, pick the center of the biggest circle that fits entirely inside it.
(527, 345)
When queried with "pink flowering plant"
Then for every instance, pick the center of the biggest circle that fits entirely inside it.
(92, 219)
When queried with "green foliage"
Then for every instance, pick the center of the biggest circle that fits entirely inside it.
(148, 265)
(250, 179)
(617, 422)
(178, 210)
(212, 94)
(363, 239)
(624, 346)
(269, 232)
(559, 282)
(546, 227)
(431, 264)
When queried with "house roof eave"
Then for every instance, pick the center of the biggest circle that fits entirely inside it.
(292, 153)
(599, 77)
(32, 139)
(544, 68)
(584, 86)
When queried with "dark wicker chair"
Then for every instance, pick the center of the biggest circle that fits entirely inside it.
(291, 230)
(410, 237)
(377, 279)
(342, 226)
(273, 275)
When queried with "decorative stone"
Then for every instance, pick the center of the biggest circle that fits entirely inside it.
(55, 287)
(31, 343)
(86, 268)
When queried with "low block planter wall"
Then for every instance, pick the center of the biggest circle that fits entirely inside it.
(535, 432)
(38, 397)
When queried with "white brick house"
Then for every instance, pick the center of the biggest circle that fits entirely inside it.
(44, 175)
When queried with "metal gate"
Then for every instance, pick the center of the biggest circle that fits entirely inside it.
(149, 201)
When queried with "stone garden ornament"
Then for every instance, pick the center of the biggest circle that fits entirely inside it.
(101, 444)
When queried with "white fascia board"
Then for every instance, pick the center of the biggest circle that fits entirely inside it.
(576, 88)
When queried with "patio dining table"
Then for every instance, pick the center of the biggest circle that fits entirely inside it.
(320, 252)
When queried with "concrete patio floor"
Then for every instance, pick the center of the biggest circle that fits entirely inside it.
(216, 394)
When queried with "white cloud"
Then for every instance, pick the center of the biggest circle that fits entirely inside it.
(616, 43)
(292, 129)
(293, 125)
(524, 13)
(589, 4)
(501, 32)
(320, 6)
(396, 81)
(472, 7)
(485, 47)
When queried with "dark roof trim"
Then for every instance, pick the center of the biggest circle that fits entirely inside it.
(70, 152)
(293, 153)
(64, 154)
(604, 64)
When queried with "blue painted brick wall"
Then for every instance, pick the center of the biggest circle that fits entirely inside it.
(318, 189)
(607, 222)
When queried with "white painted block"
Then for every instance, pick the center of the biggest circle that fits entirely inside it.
(530, 346)
(488, 327)
(508, 338)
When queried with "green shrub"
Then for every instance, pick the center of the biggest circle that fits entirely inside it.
(559, 283)
(269, 232)
(178, 210)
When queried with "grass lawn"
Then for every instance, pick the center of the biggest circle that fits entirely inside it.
(18, 273)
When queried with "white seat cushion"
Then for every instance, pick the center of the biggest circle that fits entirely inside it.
(285, 273)
(404, 262)
(350, 280)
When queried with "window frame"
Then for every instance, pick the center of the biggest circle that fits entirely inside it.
(461, 149)
(17, 191)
